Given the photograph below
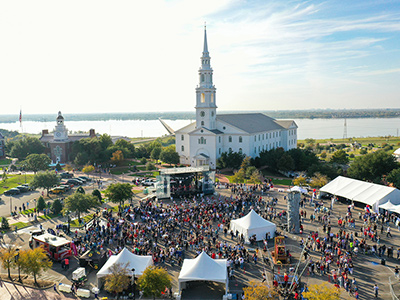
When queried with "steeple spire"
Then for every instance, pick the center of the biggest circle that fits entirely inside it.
(205, 49)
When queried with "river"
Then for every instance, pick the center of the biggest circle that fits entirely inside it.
(308, 128)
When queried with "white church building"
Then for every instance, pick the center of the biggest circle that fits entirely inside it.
(202, 142)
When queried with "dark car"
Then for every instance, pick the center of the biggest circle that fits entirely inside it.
(22, 188)
(74, 182)
(85, 177)
(66, 175)
(30, 188)
(13, 191)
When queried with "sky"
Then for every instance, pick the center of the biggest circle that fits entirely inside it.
(141, 56)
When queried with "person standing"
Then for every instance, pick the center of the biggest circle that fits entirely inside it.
(376, 289)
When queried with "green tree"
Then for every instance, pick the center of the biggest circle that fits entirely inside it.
(394, 177)
(45, 180)
(28, 145)
(58, 167)
(119, 192)
(285, 163)
(150, 166)
(80, 190)
(118, 279)
(231, 160)
(169, 155)
(143, 160)
(322, 291)
(4, 223)
(340, 157)
(35, 262)
(80, 203)
(41, 204)
(372, 166)
(153, 281)
(259, 291)
(37, 162)
(7, 257)
(96, 193)
(123, 144)
(155, 153)
(56, 206)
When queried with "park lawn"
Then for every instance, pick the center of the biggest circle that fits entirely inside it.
(119, 171)
(282, 181)
(75, 223)
(20, 225)
(5, 161)
(14, 180)
(28, 211)
(47, 217)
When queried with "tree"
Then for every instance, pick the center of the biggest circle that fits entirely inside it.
(119, 192)
(118, 279)
(28, 145)
(117, 157)
(231, 160)
(57, 206)
(169, 155)
(153, 281)
(80, 190)
(372, 166)
(239, 176)
(394, 177)
(96, 193)
(340, 157)
(45, 180)
(4, 223)
(318, 180)
(35, 262)
(37, 162)
(80, 203)
(155, 153)
(259, 291)
(285, 163)
(300, 181)
(322, 291)
(256, 177)
(41, 204)
(7, 257)
(88, 169)
(150, 166)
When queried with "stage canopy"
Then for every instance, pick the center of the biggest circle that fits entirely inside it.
(139, 263)
(204, 268)
(361, 191)
(253, 224)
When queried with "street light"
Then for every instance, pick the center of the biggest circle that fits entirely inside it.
(16, 261)
(133, 283)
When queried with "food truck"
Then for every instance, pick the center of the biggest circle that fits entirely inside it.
(56, 247)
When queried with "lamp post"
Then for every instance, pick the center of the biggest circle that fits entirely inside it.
(10, 205)
(133, 283)
(16, 261)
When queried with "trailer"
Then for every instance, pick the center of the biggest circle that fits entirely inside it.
(58, 248)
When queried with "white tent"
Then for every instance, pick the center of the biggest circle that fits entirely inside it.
(204, 268)
(299, 189)
(389, 206)
(361, 191)
(137, 262)
(253, 224)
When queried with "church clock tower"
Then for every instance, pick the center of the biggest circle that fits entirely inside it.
(60, 131)
(206, 108)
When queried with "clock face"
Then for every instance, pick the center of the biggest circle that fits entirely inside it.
(202, 114)
(58, 134)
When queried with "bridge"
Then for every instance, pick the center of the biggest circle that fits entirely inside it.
(167, 127)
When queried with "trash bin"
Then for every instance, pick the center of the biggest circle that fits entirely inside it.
(383, 262)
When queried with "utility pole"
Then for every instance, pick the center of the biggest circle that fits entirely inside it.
(345, 130)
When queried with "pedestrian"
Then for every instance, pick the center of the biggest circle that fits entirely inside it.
(66, 264)
(264, 277)
(55, 288)
(376, 290)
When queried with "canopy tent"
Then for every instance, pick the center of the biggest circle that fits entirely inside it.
(299, 189)
(389, 206)
(253, 224)
(204, 268)
(133, 261)
(361, 191)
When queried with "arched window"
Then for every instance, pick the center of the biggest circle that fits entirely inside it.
(182, 148)
(240, 150)
(255, 138)
(202, 77)
(182, 137)
(202, 123)
(219, 150)
(240, 139)
(219, 139)
(230, 150)
(230, 139)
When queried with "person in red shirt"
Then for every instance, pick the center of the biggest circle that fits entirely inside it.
(286, 279)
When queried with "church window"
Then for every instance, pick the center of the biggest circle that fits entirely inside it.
(202, 123)
(183, 148)
(230, 150)
(255, 150)
(219, 151)
(240, 139)
(259, 137)
(202, 114)
(182, 137)
(279, 143)
(263, 148)
(259, 148)
(202, 77)
(203, 98)
(219, 139)
(255, 138)
(263, 136)
(224, 128)
(279, 133)
(240, 150)
(212, 97)
(230, 139)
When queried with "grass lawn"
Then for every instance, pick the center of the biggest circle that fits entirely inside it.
(28, 211)
(13, 181)
(119, 171)
(282, 181)
(47, 217)
(19, 225)
(5, 161)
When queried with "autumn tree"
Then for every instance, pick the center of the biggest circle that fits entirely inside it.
(259, 291)
(322, 291)
(153, 281)
(118, 279)
(119, 192)
(117, 157)
(300, 181)
(35, 262)
(318, 180)
(7, 258)
(80, 203)
(88, 169)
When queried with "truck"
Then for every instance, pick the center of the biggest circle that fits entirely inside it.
(57, 248)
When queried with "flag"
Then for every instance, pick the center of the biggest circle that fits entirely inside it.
(20, 116)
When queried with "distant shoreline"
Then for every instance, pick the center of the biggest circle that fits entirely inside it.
(280, 114)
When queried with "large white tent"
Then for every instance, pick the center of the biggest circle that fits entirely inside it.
(253, 224)
(126, 257)
(389, 206)
(361, 191)
(204, 268)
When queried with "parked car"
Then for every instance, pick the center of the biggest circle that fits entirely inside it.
(13, 191)
(30, 188)
(148, 182)
(22, 189)
(74, 181)
(66, 175)
(57, 190)
(81, 179)
(85, 177)
(67, 187)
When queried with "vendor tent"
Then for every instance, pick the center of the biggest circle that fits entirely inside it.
(253, 224)
(125, 257)
(389, 206)
(361, 191)
(299, 189)
(204, 268)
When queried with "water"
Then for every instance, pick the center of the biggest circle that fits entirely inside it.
(315, 128)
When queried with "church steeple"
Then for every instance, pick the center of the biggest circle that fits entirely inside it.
(205, 92)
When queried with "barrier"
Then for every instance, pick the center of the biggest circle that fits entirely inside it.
(66, 288)
(83, 293)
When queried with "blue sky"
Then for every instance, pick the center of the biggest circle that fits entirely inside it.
(103, 56)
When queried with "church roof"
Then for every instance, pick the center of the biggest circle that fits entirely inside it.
(286, 123)
(251, 122)
(71, 138)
